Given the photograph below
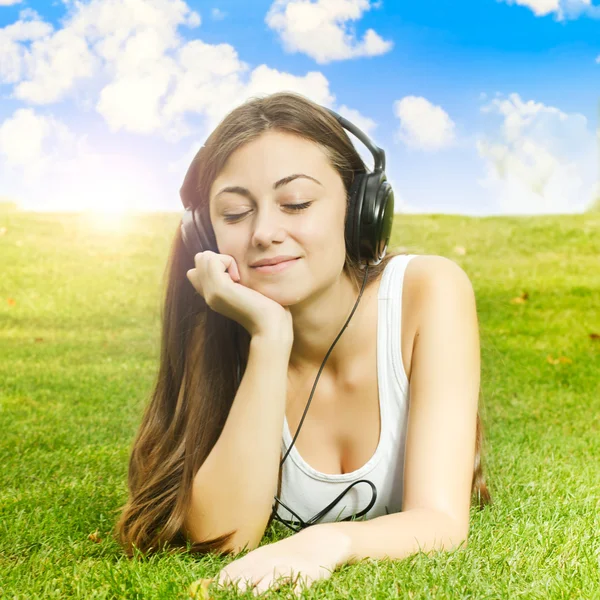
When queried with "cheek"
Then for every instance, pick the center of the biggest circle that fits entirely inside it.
(323, 244)
(229, 243)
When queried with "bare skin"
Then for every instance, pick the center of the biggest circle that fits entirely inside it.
(316, 291)
(342, 426)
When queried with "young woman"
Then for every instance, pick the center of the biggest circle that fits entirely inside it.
(396, 403)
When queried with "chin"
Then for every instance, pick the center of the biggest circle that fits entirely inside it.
(282, 298)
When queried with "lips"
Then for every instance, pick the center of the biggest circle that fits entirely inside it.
(279, 267)
(271, 264)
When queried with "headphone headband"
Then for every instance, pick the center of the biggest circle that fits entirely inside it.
(369, 216)
(377, 152)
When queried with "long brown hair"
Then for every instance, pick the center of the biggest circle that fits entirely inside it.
(194, 389)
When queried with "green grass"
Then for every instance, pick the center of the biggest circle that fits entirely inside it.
(79, 318)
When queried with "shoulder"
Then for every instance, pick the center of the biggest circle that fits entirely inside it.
(429, 268)
(437, 283)
(428, 271)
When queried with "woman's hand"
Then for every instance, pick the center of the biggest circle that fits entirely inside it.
(303, 558)
(216, 278)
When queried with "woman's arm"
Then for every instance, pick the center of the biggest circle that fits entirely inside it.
(235, 486)
(441, 429)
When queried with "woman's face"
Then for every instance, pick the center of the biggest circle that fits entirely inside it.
(260, 223)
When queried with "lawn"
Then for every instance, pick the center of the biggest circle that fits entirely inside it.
(80, 301)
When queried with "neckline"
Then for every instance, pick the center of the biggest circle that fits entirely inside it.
(375, 458)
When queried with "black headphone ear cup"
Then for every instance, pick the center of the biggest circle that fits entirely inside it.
(189, 235)
(206, 236)
(374, 213)
(194, 235)
(352, 228)
(384, 211)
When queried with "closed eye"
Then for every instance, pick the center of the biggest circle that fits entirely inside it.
(292, 207)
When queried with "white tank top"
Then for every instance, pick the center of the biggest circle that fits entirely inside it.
(308, 491)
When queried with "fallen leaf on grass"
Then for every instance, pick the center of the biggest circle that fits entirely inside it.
(11, 301)
(595, 336)
(560, 359)
(520, 299)
(95, 537)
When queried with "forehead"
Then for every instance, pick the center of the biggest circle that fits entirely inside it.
(270, 157)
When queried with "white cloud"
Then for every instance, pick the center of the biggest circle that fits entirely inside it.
(423, 125)
(265, 80)
(539, 7)
(9, 2)
(47, 166)
(563, 9)
(28, 139)
(217, 15)
(542, 161)
(115, 44)
(141, 77)
(320, 29)
(53, 65)
(28, 28)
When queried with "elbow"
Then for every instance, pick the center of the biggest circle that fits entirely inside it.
(216, 531)
(453, 540)
(232, 542)
(459, 540)
(458, 534)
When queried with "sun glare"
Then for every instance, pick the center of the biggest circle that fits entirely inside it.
(107, 220)
(110, 202)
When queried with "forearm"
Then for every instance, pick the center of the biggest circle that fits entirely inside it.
(235, 486)
(397, 535)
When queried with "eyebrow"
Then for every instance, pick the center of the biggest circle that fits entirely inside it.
(236, 189)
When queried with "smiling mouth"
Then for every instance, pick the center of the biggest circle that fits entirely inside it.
(276, 267)
(277, 263)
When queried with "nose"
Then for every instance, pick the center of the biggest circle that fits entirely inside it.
(267, 226)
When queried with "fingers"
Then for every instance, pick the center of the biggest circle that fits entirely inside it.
(238, 582)
(226, 260)
(260, 584)
(280, 577)
(232, 268)
(237, 276)
(234, 271)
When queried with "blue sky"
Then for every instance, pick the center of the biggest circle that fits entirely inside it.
(483, 107)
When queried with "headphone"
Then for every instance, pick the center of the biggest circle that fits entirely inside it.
(367, 232)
